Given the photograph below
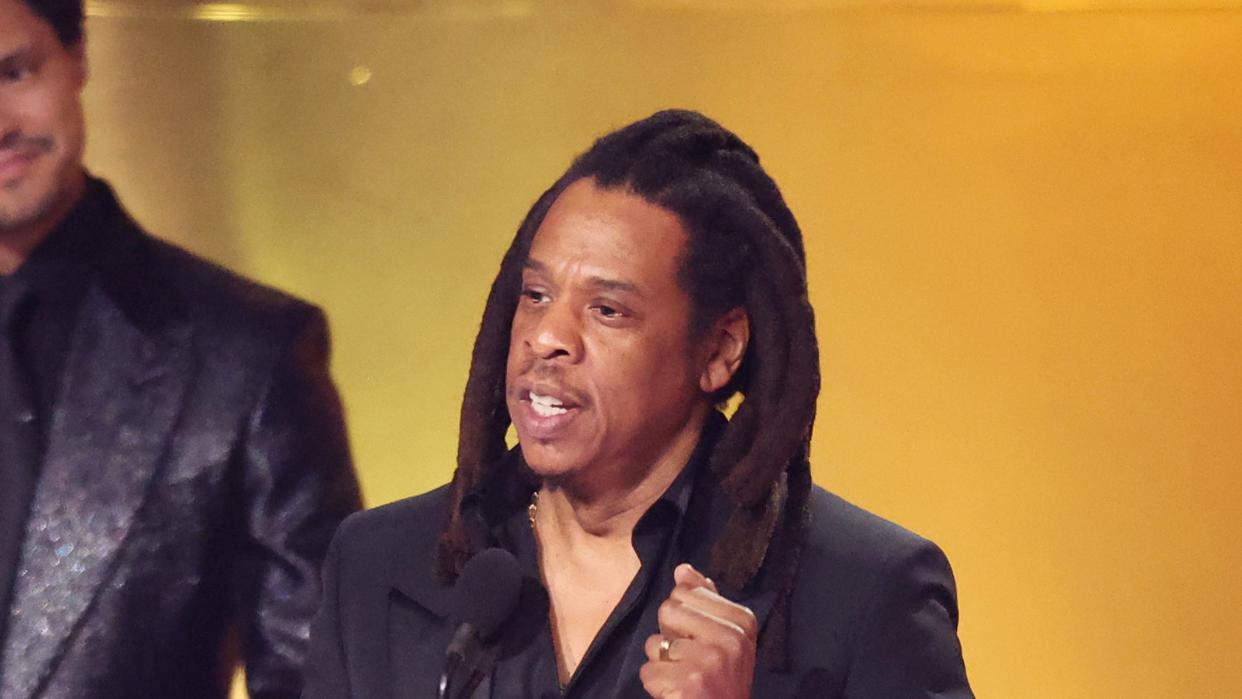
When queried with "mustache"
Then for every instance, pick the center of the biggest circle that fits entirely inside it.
(537, 372)
(540, 371)
(18, 141)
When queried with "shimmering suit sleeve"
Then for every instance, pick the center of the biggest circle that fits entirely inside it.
(298, 484)
(908, 646)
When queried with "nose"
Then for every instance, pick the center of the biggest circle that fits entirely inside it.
(556, 334)
(8, 126)
(9, 109)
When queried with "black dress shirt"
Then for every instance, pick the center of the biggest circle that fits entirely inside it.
(57, 274)
(55, 277)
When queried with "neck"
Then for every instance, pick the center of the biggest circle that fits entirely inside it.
(576, 514)
(17, 244)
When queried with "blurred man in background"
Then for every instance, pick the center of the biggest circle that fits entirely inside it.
(173, 460)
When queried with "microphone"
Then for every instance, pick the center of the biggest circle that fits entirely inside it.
(485, 596)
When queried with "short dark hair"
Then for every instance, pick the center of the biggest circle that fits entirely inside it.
(65, 16)
(744, 250)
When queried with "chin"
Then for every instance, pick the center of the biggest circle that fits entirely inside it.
(548, 462)
(545, 463)
(29, 201)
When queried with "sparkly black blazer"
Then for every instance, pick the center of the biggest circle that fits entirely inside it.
(196, 468)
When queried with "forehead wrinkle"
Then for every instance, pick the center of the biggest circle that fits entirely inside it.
(614, 285)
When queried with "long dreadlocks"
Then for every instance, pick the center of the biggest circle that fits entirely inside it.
(744, 249)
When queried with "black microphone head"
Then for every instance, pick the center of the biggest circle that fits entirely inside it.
(487, 590)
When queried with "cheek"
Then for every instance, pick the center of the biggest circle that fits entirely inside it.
(513, 367)
(650, 375)
(70, 125)
(514, 357)
(54, 112)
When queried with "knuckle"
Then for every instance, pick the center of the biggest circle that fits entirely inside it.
(749, 624)
(665, 613)
(715, 658)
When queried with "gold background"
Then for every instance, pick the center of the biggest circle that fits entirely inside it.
(1022, 220)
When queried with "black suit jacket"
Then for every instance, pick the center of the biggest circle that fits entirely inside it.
(196, 468)
(874, 611)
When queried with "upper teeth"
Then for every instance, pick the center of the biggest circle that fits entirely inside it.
(546, 405)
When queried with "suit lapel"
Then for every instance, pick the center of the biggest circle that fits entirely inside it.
(122, 391)
(410, 646)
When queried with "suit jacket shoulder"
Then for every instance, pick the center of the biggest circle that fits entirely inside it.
(874, 608)
(843, 535)
(375, 539)
(217, 295)
(156, 284)
(232, 316)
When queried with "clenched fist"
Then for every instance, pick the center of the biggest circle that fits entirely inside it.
(706, 645)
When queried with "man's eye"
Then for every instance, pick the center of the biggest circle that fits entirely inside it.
(608, 311)
(534, 295)
(13, 74)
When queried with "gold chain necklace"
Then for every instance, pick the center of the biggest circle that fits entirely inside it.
(531, 511)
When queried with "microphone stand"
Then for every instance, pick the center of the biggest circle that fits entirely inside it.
(446, 677)
(474, 658)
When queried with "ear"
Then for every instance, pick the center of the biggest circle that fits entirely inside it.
(726, 346)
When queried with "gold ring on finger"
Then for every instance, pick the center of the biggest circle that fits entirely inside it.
(666, 644)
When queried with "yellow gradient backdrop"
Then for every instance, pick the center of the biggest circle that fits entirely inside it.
(1023, 225)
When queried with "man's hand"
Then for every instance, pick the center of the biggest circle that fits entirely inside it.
(706, 645)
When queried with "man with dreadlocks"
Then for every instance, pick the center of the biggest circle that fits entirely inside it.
(668, 551)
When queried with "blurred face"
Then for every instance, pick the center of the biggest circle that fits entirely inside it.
(603, 376)
(40, 121)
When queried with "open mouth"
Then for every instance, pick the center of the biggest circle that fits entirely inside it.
(546, 406)
(546, 412)
(549, 401)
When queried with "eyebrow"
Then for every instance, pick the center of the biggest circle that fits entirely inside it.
(16, 56)
(599, 282)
